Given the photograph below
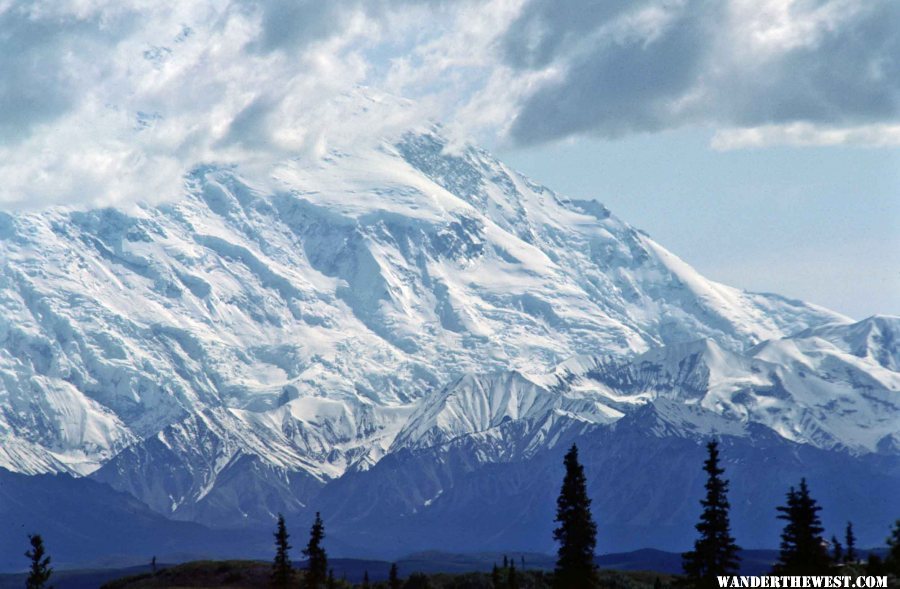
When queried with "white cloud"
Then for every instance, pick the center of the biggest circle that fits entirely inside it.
(806, 135)
(112, 101)
(109, 102)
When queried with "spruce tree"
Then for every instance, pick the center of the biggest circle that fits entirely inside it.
(577, 532)
(418, 581)
(715, 552)
(875, 565)
(365, 582)
(282, 571)
(803, 550)
(892, 560)
(317, 560)
(39, 572)
(850, 556)
(512, 581)
(496, 583)
(394, 577)
(837, 551)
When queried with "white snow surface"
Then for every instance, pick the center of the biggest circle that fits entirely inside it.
(834, 386)
(326, 314)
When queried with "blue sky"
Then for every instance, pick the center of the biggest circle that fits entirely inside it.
(817, 223)
(758, 139)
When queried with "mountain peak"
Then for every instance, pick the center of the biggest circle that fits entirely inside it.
(371, 278)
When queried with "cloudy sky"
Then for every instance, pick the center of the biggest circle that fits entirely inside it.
(758, 139)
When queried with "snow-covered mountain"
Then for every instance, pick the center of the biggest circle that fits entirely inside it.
(228, 355)
(821, 387)
(806, 388)
(484, 453)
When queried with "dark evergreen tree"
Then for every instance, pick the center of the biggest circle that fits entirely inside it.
(505, 562)
(317, 560)
(892, 561)
(417, 581)
(875, 565)
(394, 577)
(365, 582)
(39, 572)
(803, 550)
(512, 580)
(282, 571)
(153, 565)
(496, 583)
(837, 551)
(331, 583)
(715, 552)
(577, 532)
(657, 583)
(850, 556)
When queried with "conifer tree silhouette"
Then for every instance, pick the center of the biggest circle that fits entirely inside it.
(850, 555)
(317, 559)
(282, 571)
(577, 532)
(803, 550)
(715, 551)
(837, 551)
(892, 561)
(39, 572)
(512, 580)
(394, 577)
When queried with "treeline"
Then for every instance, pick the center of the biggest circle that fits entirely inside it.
(576, 533)
(803, 548)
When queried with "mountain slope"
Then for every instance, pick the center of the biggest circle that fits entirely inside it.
(380, 330)
(807, 387)
(644, 482)
(788, 408)
(368, 279)
(84, 521)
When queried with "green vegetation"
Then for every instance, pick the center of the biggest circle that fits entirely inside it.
(255, 574)
(892, 562)
(803, 550)
(282, 571)
(715, 551)
(577, 532)
(317, 559)
(850, 555)
(204, 573)
(394, 577)
(40, 572)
